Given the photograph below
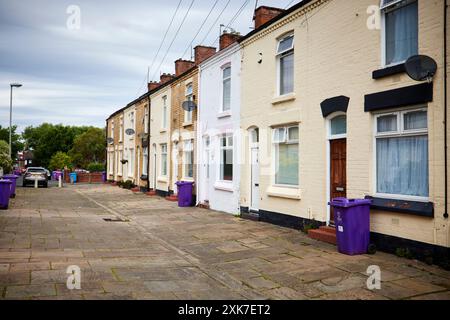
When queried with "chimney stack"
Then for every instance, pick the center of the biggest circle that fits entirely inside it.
(227, 39)
(202, 53)
(152, 85)
(265, 14)
(181, 66)
(166, 77)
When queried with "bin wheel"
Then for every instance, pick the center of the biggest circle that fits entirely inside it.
(372, 249)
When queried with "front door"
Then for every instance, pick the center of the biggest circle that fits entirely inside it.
(338, 170)
(255, 179)
(206, 168)
(154, 174)
(175, 168)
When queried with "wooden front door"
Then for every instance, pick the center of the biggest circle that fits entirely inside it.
(338, 183)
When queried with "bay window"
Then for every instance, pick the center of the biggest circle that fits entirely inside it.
(226, 157)
(402, 154)
(286, 147)
(285, 56)
(400, 21)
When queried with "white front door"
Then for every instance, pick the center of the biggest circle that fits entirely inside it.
(154, 169)
(206, 169)
(175, 167)
(254, 179)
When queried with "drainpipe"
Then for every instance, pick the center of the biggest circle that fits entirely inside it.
(445, 112)
(149, 144)
(199, 142)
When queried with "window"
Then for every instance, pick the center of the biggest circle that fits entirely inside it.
(145, 162)
(146, 120)
(111, 163)
(121, 129)
(164, 160)
(285, 141)
(164, 113)
(188, 159)
(131, 163)
(400, 30)
(189, 97)
(285, 54)
(132, 119)
(402, 153)
(226, 89)
(112, 129)
(339, 125)
(226, 157)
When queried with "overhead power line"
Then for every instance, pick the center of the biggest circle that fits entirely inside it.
(238, 13)
(200, 29)
(215, 22)
(174, 38)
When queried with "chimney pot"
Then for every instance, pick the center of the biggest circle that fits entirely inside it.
(202, 53)
(181, 66)
(227, 39)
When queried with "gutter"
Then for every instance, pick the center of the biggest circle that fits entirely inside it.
(445, 113)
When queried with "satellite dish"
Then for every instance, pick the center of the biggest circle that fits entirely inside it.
(129, 132)
(110, 140)
(421, 68)
(189, 105)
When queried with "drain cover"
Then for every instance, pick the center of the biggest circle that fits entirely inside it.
(114, 220)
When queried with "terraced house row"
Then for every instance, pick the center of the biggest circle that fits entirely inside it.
(311, 105)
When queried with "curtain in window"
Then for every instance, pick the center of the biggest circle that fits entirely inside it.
(287, 164)
(387, 123)
(402, 166)
(287, 74)
(226, 94)
(415, 120)
(401, 33)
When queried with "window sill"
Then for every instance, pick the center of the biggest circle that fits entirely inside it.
(422, 209)
(224, 186)
(163, 131)
(162, 179)
(188, 179)
(225, 114)
(389, 71)
(187, 124)
(284, 192)
(283, 99)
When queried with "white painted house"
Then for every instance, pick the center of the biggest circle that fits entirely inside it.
(218, 128)
(129, 144)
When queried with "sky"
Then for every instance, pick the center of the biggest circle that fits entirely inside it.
(77, 69)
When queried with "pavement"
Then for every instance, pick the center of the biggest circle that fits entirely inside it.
(131, 246)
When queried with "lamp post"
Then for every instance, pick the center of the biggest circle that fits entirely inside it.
(12, 85)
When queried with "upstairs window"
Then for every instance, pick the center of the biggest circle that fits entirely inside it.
(285, 56)
(121, 129)
(112, 129)
(189, 97)
(400, 30)
(226, 89)
(146, 120)
(164, 113)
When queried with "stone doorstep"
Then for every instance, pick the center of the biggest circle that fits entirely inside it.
(324, 234)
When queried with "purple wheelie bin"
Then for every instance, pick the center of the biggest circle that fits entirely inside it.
(5, 192)
(13, 178)
(185, 193)
(352, 219)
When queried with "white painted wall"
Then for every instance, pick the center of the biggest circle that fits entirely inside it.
(129, 145)
(222, 196)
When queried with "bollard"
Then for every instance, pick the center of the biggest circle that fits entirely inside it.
(60, 181)
(36, 184)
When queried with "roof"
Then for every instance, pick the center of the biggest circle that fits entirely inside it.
(287, 12)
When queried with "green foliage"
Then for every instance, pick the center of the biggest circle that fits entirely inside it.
(404, 253)
(89, 147)
(310, 226)
(5, 161)
(127, 185)
(17, 144)
(60, 160)
(96, 167)
(48, 139)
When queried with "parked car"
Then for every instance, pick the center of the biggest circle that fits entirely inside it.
(49, 175)
(35, 173)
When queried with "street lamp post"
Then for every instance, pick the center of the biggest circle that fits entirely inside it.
(12, 85)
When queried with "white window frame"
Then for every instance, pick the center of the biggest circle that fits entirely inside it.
(112, 129)
(146, 115)
(400, 132)
(222, 148)
(121, 129)
(188, 146)
(131, 163)
(222, 106)
(120, 164)
(189, 94)
(383, 9)
(164, 160)
(276, 144)
(164, 122)
(280, 55)
(145, 161)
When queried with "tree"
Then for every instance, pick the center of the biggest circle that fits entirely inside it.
(5, 160)
(17, 144)
(60, 160)
(89, 147)
(48, 139)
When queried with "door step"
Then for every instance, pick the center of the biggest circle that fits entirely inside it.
(252, 215)
(151, 193)
(172, 198)
(324, 234)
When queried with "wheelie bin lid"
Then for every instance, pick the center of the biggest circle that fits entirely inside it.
(2, 181)
(347, 203)
(183, 183)
(10, 176)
